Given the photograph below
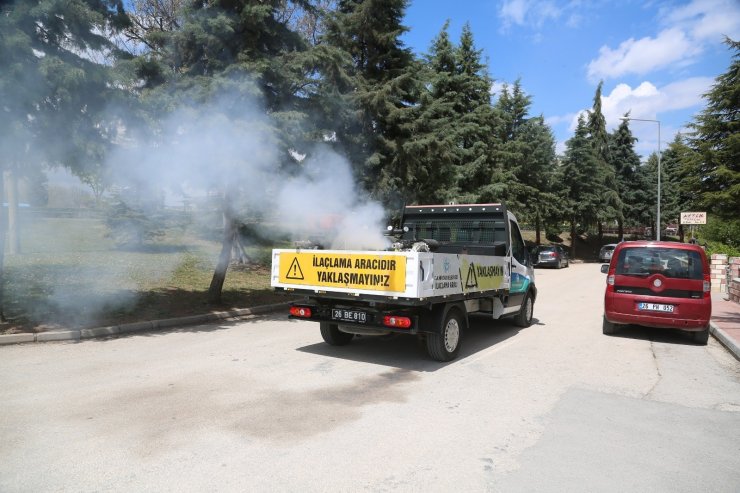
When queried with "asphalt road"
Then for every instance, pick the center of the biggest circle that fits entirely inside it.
(265, 405)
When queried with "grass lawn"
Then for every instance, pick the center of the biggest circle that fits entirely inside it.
(69, 274)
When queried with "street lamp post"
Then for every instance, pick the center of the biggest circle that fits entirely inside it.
(657, 225)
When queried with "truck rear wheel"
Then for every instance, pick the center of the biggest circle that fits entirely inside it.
(444, 345)
(333, 336)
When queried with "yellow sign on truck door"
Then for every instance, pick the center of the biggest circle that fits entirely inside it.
(344, 270)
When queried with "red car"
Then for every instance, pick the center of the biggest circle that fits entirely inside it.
(658, 284)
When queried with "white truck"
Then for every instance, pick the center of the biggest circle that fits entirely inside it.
(448, 261)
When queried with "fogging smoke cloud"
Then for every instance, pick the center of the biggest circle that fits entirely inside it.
(325, 199)
(201, 149)
(230, 151)
(205, 149)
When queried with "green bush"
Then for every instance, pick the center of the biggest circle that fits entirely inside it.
(717, 230)
(721, 236)
(717, 247)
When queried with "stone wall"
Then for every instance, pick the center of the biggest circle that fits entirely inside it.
(734, 287)
(718, 272)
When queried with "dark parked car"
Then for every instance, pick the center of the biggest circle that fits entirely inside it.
(605, 254)
(551, 255)
(659, 284)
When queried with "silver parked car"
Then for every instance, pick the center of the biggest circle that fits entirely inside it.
(605, 254)
(552, 255)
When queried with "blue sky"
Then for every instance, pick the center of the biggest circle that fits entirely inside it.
(656, 58)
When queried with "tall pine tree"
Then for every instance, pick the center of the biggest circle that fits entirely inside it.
(625, 162)
(716, 140)
(385, 87)
(611, 204)
(582, 180)
(243, 50)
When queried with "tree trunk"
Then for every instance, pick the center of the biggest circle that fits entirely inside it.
(11, 190)
(573, 238)
(2, 247)
(601, 232)
(680, 233)
(537, 226)
(620, 230)
(219, 275)
(230, 232)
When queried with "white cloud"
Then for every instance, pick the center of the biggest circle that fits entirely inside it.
(642, 56)
(646, 101)
(688, 30)
(706, 19)
(514, 11)
(496, 88)
(532, 13)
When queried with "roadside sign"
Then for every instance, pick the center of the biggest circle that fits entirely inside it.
(693, 218)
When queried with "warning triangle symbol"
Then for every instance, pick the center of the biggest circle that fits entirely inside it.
(471, 281)
(294, 271)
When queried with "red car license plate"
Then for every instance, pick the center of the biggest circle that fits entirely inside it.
(655, 307)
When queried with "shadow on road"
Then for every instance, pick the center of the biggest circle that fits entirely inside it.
(406, 352)
(666, 336)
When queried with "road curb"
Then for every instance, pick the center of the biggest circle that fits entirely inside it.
(116, 330)
(725, 340)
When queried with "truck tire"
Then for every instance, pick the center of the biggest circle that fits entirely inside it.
(445, 344)
(701, 337)
(607, 327)
(524, 317)
(333, 336)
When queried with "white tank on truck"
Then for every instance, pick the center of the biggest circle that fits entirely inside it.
(447, 262)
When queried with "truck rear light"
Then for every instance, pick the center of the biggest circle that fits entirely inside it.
(610, 280)
(397, 322)
(300, 311)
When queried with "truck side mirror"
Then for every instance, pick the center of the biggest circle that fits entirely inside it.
(605, 268)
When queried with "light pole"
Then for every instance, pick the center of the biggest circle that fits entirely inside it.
(657, 225)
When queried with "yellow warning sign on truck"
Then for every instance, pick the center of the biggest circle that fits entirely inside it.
(338, 270)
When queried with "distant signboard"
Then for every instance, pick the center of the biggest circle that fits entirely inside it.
(693, 218)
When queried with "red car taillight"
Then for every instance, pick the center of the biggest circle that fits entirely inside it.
(397, 322)
(707, 286)
(300, 311)
(610, 279)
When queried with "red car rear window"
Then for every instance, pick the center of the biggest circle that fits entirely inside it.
(670, 262)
